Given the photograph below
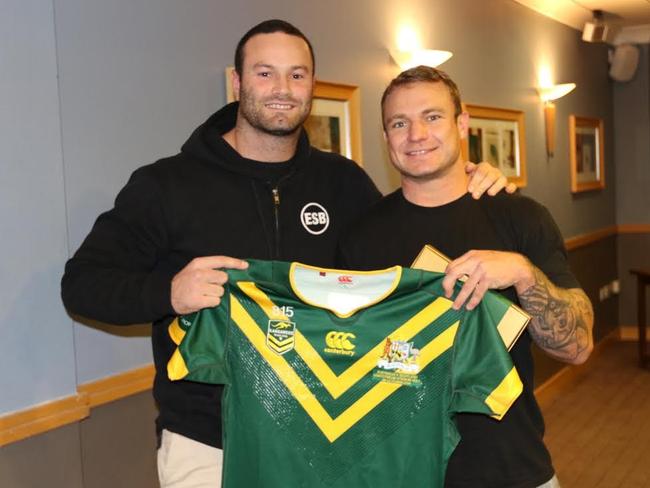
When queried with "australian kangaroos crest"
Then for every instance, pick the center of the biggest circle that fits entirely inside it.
(280, 336)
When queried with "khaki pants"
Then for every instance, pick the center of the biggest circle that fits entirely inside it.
(185, 463)
(552, 483)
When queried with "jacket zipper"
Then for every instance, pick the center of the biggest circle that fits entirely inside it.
(276, 214)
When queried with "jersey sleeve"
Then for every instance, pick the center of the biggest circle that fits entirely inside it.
(201, 339)
(484, 379)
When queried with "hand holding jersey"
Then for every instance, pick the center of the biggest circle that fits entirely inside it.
(200, 283)
(562, 318)
(486, 270)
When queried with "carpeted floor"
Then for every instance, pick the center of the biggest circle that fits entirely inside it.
(599, 431)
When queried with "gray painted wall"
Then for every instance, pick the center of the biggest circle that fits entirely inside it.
(36, 351)
(632, 140)
(135, 77)
(632, 132)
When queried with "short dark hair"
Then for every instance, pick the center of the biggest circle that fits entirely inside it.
(269, 27)
(424, 74)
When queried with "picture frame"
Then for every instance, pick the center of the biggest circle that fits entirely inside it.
(497, 135)
(587, 153)
(334, 124)
(341, 103)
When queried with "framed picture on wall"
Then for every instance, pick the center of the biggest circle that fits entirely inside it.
(335, 120)
(586, 138)
(497, 135)
(334, 124)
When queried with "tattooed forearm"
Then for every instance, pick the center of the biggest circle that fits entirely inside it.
(562, 319)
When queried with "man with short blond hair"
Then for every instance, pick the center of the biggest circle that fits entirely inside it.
(507, 243)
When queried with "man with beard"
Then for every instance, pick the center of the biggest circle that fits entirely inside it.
(508, 243)
(246, 183)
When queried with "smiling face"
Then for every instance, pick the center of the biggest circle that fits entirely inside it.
(276, 83)
(422, 131)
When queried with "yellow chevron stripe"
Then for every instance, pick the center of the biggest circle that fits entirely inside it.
(331, 428)
(278, 342)
(281, 350)
(503, 396)
(336, 385)
(383, 390)
(175, 332)
(176, 367)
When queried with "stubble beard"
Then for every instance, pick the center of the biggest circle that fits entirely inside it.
(251, 110)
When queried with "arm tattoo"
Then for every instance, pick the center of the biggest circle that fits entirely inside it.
(562, 319)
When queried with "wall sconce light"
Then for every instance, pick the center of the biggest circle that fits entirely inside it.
(416, 57)
(548, 94)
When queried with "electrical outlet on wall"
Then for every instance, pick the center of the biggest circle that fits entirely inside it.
(609, 289)
(603, 292)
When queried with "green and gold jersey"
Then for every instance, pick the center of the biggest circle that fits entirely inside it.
(344, 378)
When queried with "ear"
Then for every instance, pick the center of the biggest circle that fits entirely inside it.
(462, 122)
(236, 83)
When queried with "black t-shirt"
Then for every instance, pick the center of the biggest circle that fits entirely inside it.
(491, 454)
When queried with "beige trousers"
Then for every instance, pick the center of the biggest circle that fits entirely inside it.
(552, 483)
(186, 463)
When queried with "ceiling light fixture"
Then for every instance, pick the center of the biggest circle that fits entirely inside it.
(416, 57)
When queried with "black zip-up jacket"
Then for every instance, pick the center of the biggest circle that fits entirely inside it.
(207, 200)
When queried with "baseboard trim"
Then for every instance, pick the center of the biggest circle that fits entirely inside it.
(563, 380)
(41, 418)
(633, 228)
(631, 332)
(118, 386)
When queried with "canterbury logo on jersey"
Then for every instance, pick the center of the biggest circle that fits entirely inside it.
(340, 343)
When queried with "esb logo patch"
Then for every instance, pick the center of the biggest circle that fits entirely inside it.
(314, 218)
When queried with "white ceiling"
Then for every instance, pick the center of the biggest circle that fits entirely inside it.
(632, 17)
